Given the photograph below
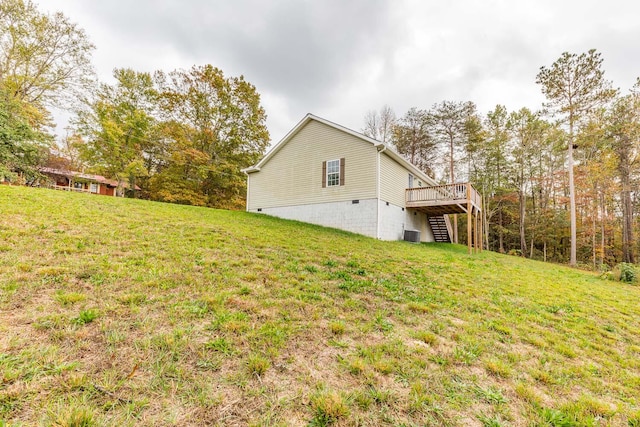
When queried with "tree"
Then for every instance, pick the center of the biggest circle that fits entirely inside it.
(220, 125)
(380, 125)
(624, 132)
(526, 133)
(450, 124)
(69, 148)
(547, 178)
(574, 85)
(118, 126)
(45, 60)
(181, 171)
(413, 141)
(492, 174)
(21, 147)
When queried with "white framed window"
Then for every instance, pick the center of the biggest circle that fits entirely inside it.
(410, 181)
(94, 187)
(333, 173)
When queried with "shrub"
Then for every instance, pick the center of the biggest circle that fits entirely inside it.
(628, 273)
(624, 272)
(608, 275)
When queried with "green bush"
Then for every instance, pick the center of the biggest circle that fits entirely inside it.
(628, 272)
(624, 272)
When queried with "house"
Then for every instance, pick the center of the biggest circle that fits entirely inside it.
(326, 174)
(62, 179)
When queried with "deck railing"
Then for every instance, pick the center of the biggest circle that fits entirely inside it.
(459, 192)
(67, 188)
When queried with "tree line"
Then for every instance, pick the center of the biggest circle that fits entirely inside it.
(181, 136)
(558, 184)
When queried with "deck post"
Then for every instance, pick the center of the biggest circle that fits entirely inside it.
(476, 234)
(481, 230)
(455, 228)
(473, 230)
(469, 215)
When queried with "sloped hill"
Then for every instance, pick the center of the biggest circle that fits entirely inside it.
(126, 312)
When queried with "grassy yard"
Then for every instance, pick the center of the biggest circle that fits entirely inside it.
(126, 312)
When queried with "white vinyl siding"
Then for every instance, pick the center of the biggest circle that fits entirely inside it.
(294, 175)
(393, 181)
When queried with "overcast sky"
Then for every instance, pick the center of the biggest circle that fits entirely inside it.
(340, 58)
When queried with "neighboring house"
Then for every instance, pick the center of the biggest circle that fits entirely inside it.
(62, 179)
(326, 174)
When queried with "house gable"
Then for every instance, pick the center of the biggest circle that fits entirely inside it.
(292, 172)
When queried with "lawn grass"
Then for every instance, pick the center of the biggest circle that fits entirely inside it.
(126, 312)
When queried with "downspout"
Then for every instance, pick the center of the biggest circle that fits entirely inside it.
(248, 191)
(380, 148)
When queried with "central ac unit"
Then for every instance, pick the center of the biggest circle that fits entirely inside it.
(412, 236)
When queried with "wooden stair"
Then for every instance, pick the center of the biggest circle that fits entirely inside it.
(439, 228)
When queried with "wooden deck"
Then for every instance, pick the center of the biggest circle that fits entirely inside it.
(444, 199)
(439, 200)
